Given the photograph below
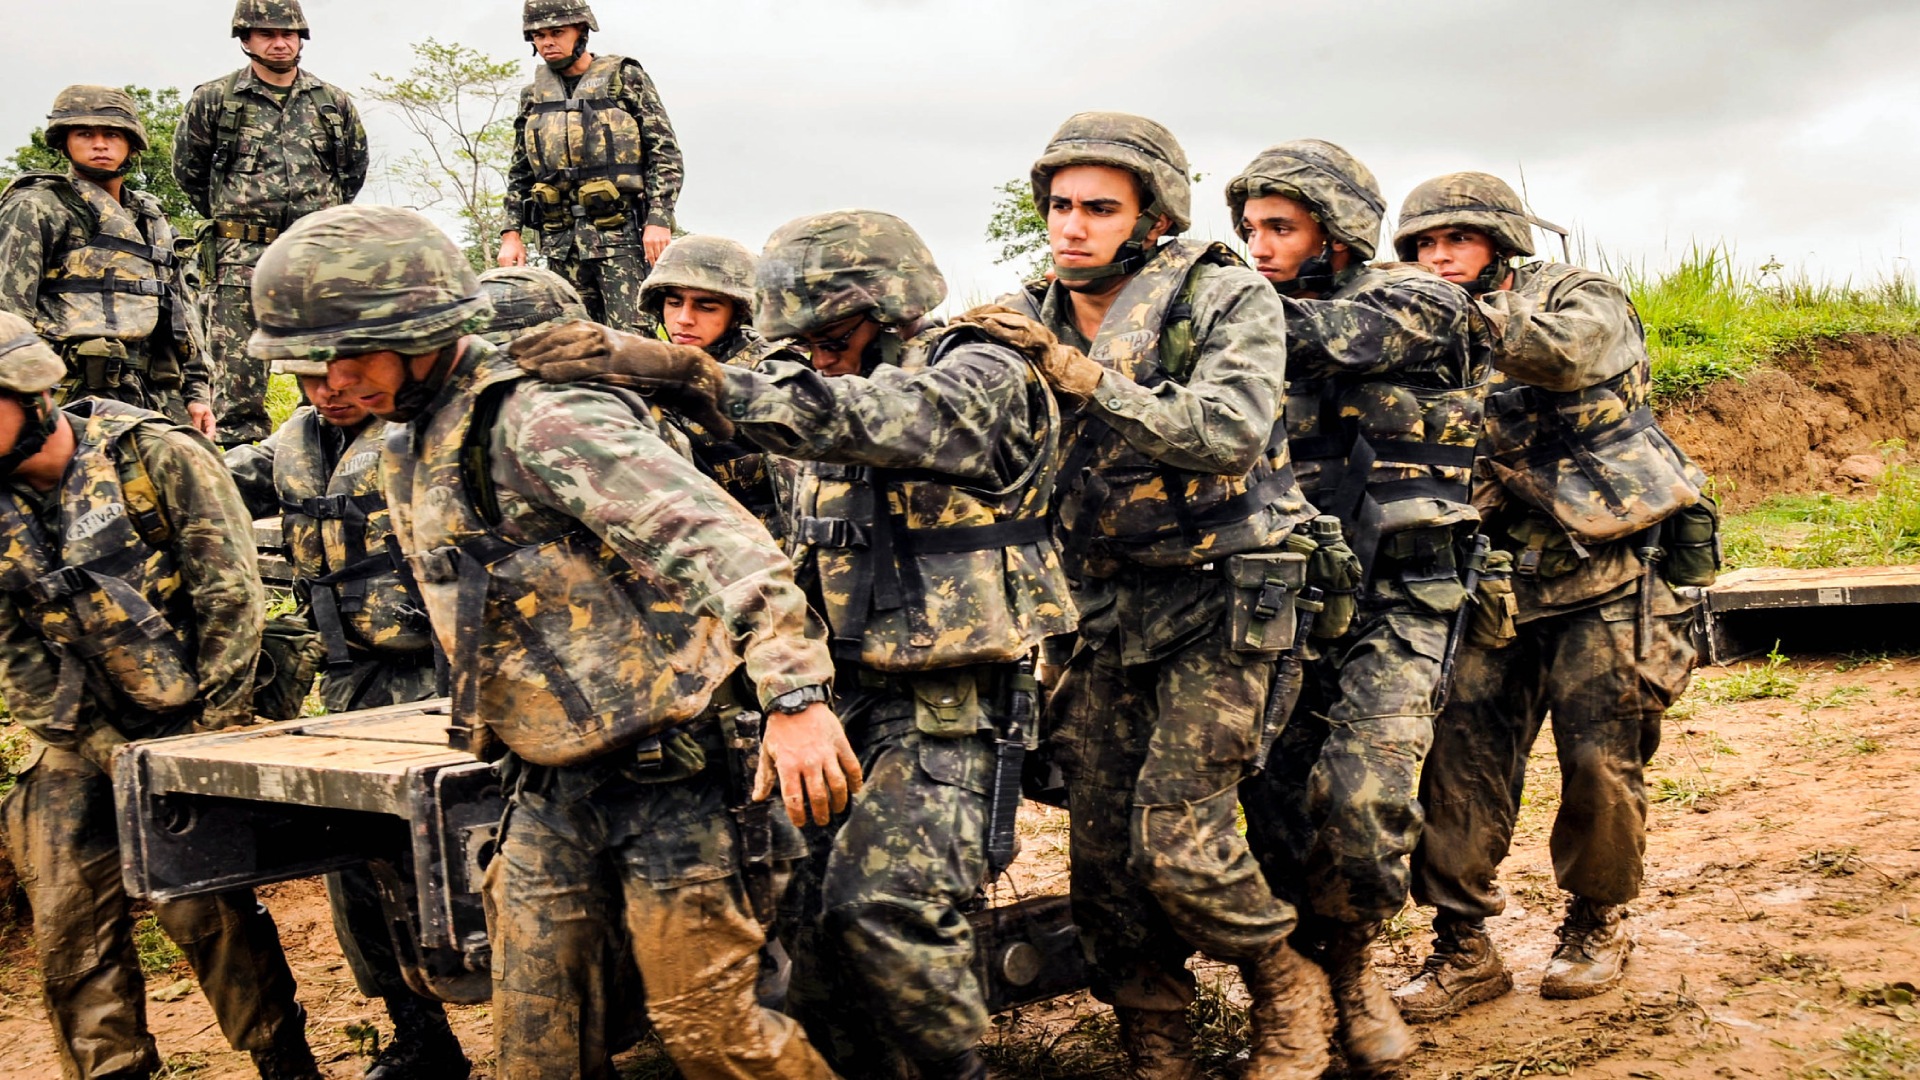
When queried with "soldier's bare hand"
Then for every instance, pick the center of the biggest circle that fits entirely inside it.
(513, 251)
(809, 754)
(655, 239)
(202, 416)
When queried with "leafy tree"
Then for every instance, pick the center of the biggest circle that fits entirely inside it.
(160, 112)
(1016, 225)
(461, 104)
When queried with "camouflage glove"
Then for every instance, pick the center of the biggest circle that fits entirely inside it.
(1065, 368)
(680, 377)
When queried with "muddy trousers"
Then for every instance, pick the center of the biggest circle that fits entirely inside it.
(883, 952)
(239, 380)
(1153, 754)
(62, 830)
(610, 288)
(582, 855)
(1334, 816)
(1606, 705)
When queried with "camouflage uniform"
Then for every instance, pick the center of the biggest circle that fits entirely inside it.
(144, 527)
(930, 603)
(595, 161)
(129, 336)
(255, 160)
(592, 610)
(1173, 485)
(1576, 472)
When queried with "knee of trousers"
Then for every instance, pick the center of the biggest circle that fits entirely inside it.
(721, 1030)
(915, 960)
(1197, 867)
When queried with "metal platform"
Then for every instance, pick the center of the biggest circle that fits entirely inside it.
(1839, 610)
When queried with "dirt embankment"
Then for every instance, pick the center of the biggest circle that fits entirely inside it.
(1812, 422)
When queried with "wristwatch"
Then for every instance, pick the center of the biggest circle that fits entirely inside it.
(794, 701)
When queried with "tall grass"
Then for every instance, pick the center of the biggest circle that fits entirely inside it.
(1882, 529)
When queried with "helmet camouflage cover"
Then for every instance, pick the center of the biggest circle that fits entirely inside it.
(821, 269)
(1340, 191)
(269, 15)
(525, 297)
(355, 279)
(95, 106)
(27, 364)
(547, 14)
(1470, 200)
(710, 263)
(1122, 141)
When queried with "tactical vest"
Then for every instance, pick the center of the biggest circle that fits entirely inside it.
(104, 594)
(230, 143)
(112, 286)
(558, 645)
(918, 573)
(589, 135)
(1594, 459)
(1385, 454)
(1116, 499)
(339, 541)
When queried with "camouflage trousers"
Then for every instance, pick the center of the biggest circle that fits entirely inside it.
(239, 381)
(610, 288)
(882, 950)
(63, 834)
(590, 848)
(1606, 703)
(1334, 816)
(1154, 737)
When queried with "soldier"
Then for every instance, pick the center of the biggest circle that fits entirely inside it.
(596, 168)
(321, 474)
(256, 151)
(1177, 500)
(91, 263)
(1601, 512)
(933, 603)
(525, 299)
(131, 608)
(594, 594)
(1384, 386)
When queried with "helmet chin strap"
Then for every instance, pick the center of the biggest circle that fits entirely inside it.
(279, 67)
(1126, 262)
(41, 422)
(1316, 275)
(1491, 276)
(101, 176)
(414, 396)
(579, 50)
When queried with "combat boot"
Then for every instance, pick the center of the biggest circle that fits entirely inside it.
(1292, 1016)
(967, 1066)
(1592, 957)
(423, 1047)
(1159, 1044)
(1464, 969)
(288, 1058)
(1371, 1031)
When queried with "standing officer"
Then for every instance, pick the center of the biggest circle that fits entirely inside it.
(91, 263)
(256, 151)
(596, 169)
(1385, 378)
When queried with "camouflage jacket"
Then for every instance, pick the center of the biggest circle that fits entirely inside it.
(244, 157)
(1576, 465)
(157, 491)
(922, 509)
(657, 154)
(43, 236)
(757, 480)
(1391, 366)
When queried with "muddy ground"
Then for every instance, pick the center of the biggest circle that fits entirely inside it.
(1779, 933)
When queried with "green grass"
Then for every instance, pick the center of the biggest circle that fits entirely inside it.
(1865, 1053)
(1810, 531)
(283, 396)
(1708, 319)
(157, 951)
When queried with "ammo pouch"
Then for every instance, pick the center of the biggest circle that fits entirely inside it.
(123, 635)
(291, 653)
(1693, 545)
(602, 202)
(1546, 550)
(946, 704)
(97, 363)
(1429, 567)
(1495, 607)
(1260, 614)
(551, 204)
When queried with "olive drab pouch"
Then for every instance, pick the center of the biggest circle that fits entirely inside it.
(1546, 550)
(1260, 614)
(551, 204)
(947, 705)
(1495, 607)
(97, 363)
(1335, 570)
(602, 203)
(291, 653)
(1693, 545)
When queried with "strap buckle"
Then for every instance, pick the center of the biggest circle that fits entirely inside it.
(59, 585)
(831, 533)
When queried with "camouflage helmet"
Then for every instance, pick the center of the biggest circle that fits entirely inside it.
(95, 106)
(27, 364)
(821, 269)
(1122, 141)
(1341, 192)
(1470, 200)
(357, 279)
(711, 263)
(547, 14)
(525, 297)
(269, 15)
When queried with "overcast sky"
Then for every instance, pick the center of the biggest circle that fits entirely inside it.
(1787, 128)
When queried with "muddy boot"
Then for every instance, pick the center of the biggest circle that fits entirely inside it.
(1159, 1044)
(1291, 1015)
(1592, 957)
(1465, 969)
(967, 1066)
(288, 1058)
(423, 1047)
(1371, 1032)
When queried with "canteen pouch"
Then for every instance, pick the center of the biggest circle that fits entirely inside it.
(1495, 607)
(1260, 615)
(1693, 546)
(946, 704)
(1335, 570)
(291, 653)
